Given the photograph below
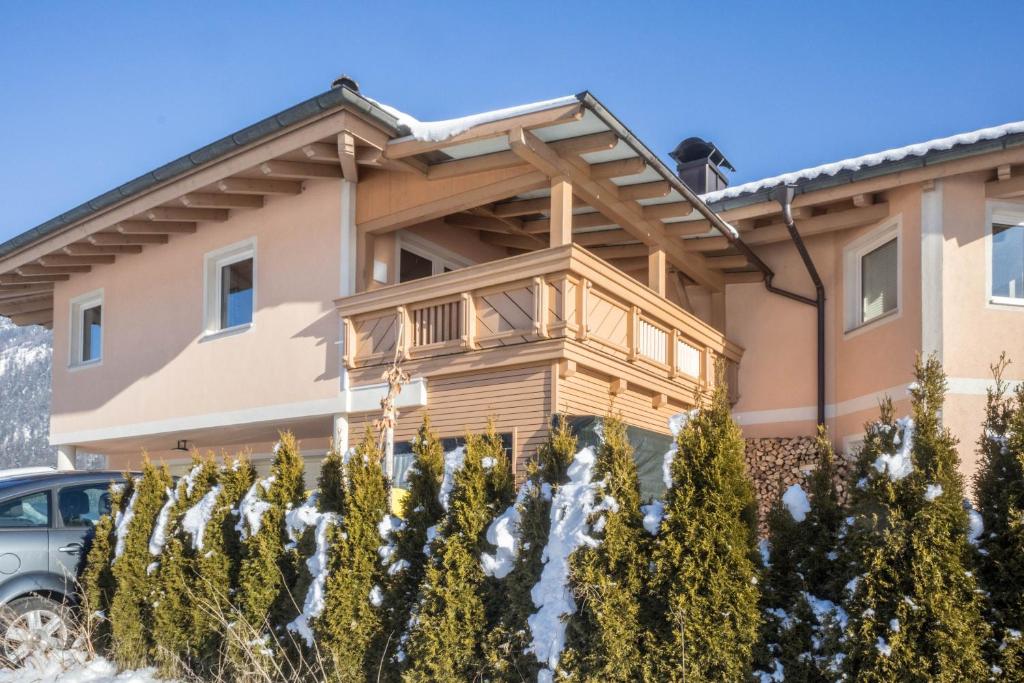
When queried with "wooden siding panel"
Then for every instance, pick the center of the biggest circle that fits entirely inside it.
(518, 399)
(587, 394)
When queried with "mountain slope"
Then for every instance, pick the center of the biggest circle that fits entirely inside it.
(25, 358)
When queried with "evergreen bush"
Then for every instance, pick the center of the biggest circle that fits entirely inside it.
(706, 613)
(999, 492)
(351, 627)
(131, 611)
(97, 582)
(447, 641)
(609, 579)
(915, 611)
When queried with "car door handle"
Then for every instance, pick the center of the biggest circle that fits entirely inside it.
(73, 548)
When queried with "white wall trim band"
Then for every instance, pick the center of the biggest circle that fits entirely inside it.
(357, 400)
(958, 386)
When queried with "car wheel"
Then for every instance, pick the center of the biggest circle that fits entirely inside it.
(33, 626)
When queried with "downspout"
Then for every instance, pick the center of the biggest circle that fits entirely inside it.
(784, 196)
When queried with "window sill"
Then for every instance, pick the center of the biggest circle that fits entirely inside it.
(226, 332)
(874, 322)
(75, 367)
(1006, 301)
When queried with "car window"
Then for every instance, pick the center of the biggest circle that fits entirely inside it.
(82, 506)
(28, 511)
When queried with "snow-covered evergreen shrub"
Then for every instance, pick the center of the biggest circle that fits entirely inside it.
(610, 574)
(422, 511)
(447, 640)
(211, 528)
(350, 627)
(803, 579)
(97, 582)
(520, 536)
(173, 581)
(706, 613)
(131, 609)
(999, 489)
(267, 569)
(915, 610)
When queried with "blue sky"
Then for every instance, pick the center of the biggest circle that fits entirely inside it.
(94, 94)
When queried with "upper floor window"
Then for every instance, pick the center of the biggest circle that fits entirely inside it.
(230, 287)
(87, 329)
(1007, 255)
(871, 268)
(419, 258)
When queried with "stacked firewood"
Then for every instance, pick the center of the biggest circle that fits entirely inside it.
(774, 464)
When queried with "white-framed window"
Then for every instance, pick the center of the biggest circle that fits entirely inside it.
(872, 268)
(1005, 247)
(418, 258)
(230, 287)
(86, 329)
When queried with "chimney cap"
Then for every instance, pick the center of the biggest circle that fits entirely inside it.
(345, 81)
(699, 149)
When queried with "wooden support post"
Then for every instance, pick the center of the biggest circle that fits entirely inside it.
(540, 307)
(347, 156)
(671, 356)
(633, 334)
(656, 270)
(404, 337)
(468, 321)
(349, 331)
(561, 212)
(582, 306)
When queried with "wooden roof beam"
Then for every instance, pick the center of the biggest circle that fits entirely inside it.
(214, 200)
(723, 262)
(669, 210)
(15, 279)
(580, 221)
(583, 144)
(86, 248)
(604, 197)
(618, 169)
(603, 238)
(68, 260)
(1002, 189)
(653, 190)
(259, 186)
(155, 227)
(478, 222)
(345, 151)
(299, 169)
(116, 239)
(33, 269)
(44, 318)
(181, 213)
(10, 292)
(23, 306)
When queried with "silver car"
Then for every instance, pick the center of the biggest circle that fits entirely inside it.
(46, 522)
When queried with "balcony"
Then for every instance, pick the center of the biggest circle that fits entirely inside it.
(562, 305)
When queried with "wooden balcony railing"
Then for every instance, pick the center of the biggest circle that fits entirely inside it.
(562, 293)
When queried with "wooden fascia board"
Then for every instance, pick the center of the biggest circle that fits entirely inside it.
(240, 160)
(462, 201)
(999, 189)
(399, 149)
(603, 196)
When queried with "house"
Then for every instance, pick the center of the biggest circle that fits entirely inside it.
(520, 262)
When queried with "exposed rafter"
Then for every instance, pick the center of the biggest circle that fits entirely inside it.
(299, 169)
(155, 227)
(110, 238)
(214, 200)
(259, 186)
(182, 213)
(604, 197)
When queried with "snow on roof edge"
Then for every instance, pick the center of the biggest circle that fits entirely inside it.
(438, 131)
(868, 160)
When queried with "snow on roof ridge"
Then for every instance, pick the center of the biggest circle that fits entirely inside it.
(436, 131)
(867, 160)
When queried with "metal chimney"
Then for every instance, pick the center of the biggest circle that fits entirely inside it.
(699, 164)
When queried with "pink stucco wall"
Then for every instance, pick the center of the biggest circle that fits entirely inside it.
(156, 365)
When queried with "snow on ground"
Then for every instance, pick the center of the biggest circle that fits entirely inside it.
(868, 160)
(436, 131)
(795, 500)
(72, 667)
